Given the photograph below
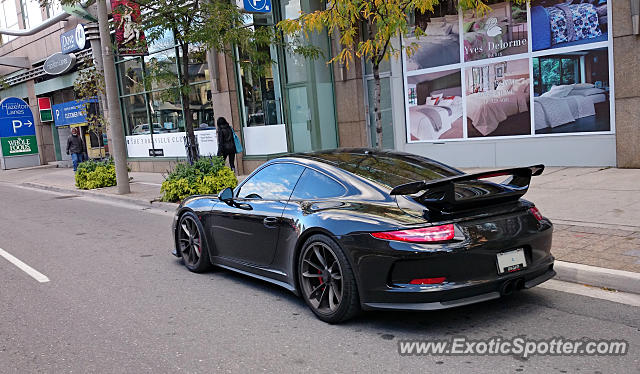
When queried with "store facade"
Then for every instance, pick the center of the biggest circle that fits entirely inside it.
(519, 85)
(290, 107)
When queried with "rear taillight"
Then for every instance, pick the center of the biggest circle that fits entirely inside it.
(428, 280)
(536, 213)
(421, 235)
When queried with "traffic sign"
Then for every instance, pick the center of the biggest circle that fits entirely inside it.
(254, 6)
(16, 118)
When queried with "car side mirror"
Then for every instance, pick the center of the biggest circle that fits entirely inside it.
(226, 195)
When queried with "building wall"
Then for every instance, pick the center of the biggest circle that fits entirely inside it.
(36, 48)
(627, 61)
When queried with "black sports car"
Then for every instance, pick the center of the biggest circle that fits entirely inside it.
(356, 229)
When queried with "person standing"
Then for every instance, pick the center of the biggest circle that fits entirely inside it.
(75, 148)
(226, 143)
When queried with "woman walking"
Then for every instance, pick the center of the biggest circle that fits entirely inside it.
(226, 144)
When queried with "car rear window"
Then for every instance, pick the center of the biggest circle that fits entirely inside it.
(389, 170)
(315, 185)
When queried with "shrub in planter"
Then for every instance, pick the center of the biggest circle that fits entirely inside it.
(96, 174)
(208, 175)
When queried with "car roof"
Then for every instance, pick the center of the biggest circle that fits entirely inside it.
(386, 169)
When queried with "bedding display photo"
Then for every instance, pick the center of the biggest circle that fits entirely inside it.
(497, 99)
(435, 106)
(566, 23)
(440, 44)
(500, 32)
(571, 92)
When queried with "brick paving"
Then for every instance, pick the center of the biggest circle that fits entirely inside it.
(604, 247)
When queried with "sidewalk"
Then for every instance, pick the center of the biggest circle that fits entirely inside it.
(596, 212)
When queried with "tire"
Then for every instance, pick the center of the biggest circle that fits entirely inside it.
(326, 277)
(192, 244)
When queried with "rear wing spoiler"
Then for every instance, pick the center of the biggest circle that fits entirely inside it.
(441, 194)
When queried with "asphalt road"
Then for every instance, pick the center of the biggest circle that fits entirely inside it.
(117, 301)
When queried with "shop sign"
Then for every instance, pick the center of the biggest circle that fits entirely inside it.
(254, 6)
(19, 145)
(130, 39)
(71, 112)
(17, 128)
(170, 144)
(59, 63)
(44, 105)
(73, 40)
(16, 118)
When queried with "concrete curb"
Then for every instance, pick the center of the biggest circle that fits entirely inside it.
(92, 193)
(624, 281)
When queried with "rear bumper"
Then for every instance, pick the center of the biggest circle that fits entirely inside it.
(474, 296)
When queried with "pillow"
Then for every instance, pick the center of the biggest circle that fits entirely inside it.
(558, 91)
(438, 29)
(451, 18)
(446, 101)
(587, 91)
(521, 86)
(505, 85)
(583, 85)
(431, 101)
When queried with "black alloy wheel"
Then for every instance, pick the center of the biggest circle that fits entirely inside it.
(191, 243)
(326, 280)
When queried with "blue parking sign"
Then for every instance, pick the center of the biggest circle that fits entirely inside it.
(16, 118)
(255, 6)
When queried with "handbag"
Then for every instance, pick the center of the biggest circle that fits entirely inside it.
(237, 142)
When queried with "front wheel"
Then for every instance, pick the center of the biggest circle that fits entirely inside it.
(327, 282)
(191, 243)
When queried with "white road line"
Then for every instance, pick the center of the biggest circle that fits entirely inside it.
(24, 267)
(598, 293)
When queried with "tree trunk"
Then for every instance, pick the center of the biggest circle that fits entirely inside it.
(192, 147)
(376, 104)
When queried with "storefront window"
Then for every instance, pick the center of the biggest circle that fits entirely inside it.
(166, 112)
(161, 69)
(131, 78)
(198, 68)
(135, 112)
(201, 106)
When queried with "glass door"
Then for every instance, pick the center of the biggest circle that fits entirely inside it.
(309, 89)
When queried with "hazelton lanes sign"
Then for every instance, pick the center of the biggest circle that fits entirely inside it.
(17, 128)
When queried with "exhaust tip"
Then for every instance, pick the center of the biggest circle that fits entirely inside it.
(518, 283)
(507, 288)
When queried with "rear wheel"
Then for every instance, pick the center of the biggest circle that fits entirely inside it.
(326, 280)
(191, 243)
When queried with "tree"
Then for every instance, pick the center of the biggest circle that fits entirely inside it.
(383, 20)
(210, 25)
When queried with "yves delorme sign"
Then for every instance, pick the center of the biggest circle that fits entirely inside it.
(17, 128)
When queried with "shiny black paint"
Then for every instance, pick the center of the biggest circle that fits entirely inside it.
(238, 238)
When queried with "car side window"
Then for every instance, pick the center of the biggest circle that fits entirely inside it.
(274, 182)
(315, 185)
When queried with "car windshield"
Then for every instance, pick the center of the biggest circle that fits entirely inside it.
(388, 169)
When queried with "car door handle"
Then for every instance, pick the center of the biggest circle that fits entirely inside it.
(270, 222)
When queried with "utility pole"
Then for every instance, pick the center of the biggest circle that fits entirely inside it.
(118, 147)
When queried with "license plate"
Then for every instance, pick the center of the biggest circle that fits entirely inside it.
(511, 261)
